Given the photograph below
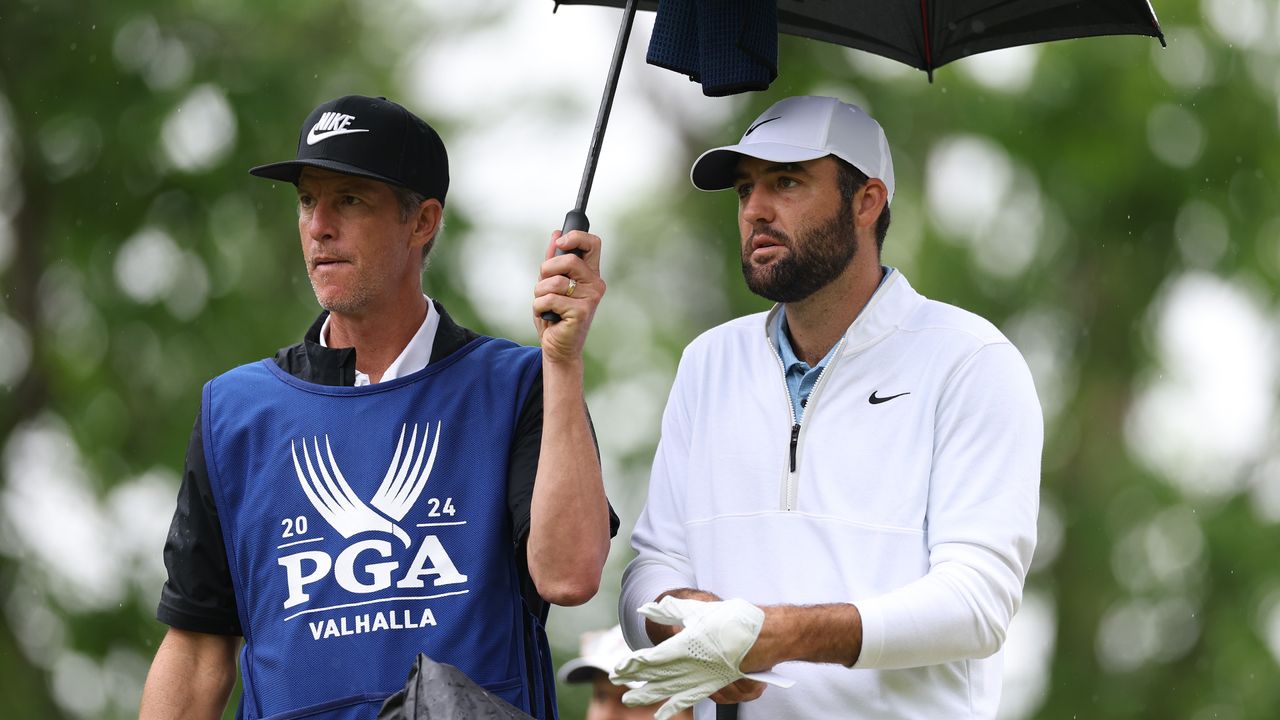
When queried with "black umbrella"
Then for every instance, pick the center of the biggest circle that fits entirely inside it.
(731, 45)
(927, 34)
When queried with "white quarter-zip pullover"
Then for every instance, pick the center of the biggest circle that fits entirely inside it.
(910, 489)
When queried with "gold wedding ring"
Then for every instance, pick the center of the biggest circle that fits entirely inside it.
(573, 285)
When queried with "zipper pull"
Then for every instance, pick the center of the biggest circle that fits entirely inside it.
(795, 439)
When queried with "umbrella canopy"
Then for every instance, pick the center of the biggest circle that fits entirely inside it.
(730, 46)
(928, 34)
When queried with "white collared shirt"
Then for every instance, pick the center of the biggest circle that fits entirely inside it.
(412, 358)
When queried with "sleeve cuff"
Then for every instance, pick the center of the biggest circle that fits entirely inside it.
(872, 651)
(643, 581)
(196, 621)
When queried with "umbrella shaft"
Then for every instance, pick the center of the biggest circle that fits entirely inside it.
(606, 104)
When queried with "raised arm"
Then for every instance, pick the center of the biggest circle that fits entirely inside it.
(569, 516)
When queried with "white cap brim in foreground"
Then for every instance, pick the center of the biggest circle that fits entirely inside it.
(601, 651)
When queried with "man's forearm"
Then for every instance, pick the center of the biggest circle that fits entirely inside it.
(191, 677)
(811, 633)
(569, 516)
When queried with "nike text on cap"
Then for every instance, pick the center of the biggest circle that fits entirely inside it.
(799, 129)
(369, 137)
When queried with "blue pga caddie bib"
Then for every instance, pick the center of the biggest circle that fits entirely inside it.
(366, 525)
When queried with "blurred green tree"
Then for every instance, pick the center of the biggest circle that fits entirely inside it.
(142, 261)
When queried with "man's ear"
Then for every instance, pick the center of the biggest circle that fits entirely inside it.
(427, 221)
(868, 202)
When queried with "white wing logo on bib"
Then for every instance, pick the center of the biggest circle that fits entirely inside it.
(338, 504)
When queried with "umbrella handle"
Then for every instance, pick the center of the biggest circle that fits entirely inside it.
(573, 220)
(576, 219)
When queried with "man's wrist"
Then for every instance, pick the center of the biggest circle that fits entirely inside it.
(568, 363)
(855, 638)
(771, 646)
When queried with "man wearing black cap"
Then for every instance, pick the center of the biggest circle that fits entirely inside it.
(855, 472)
(393, 484)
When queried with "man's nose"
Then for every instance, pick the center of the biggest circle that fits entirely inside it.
(319, 220)
(757, 207)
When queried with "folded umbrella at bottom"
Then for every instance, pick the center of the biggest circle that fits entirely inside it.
(435, 691)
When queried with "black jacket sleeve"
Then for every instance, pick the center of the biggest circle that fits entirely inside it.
(198, 594)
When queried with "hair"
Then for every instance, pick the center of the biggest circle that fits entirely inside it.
(409, 202)
(850, 179)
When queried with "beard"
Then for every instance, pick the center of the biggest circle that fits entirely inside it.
(817, 256)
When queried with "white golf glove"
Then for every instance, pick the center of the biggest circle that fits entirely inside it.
(696, 662)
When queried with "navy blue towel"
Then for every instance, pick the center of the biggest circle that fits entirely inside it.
(730, 46)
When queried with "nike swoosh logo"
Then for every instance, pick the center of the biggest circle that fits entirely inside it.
(314, 137)
(762, 122)
(877, 400)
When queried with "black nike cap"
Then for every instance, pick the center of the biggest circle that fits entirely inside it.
(370, 137)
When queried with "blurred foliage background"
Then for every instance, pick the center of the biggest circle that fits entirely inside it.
(1111, 205)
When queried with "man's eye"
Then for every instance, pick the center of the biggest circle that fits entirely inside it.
(743, 191)
(350, 200)
(306, 201)
(787, 182)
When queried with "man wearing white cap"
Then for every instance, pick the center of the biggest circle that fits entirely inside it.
(850, 480)
(601, 651)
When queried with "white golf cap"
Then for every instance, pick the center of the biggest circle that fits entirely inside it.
(601, 651)
(798, 129)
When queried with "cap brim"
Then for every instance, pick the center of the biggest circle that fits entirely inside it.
(584, 670)
(290, 170)
(580, 670)
(717, 169)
